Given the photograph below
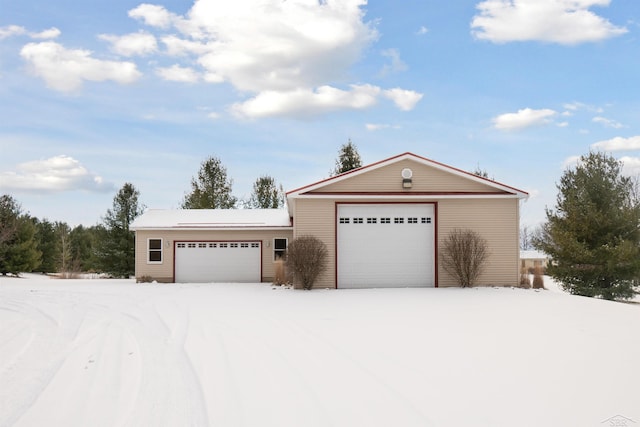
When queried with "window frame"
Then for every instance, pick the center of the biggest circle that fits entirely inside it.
(280, 253)
(151, 250)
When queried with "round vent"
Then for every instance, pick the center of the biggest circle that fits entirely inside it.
(407, 173)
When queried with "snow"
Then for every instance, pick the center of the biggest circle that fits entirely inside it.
(117, 353)
(212, 218)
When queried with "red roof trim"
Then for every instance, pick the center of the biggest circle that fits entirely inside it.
(412, 193)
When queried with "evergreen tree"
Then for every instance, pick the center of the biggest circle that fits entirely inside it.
(593, 235)
(266, 195)
(211, 189)
(46, 238)
(84, 243)
(348, 159)
(116, 250)
(9, 212)
(18, 247)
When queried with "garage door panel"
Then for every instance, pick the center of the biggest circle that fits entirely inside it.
(385, 245)
(208, 262)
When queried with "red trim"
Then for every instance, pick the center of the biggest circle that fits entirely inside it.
(435, 245)
(410, 193)
(260, 242)
(435, 233)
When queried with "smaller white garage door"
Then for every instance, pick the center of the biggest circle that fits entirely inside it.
(209, 262)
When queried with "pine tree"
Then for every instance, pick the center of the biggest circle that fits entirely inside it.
(211, 189)
(18, 244)
(348, 159)
(46, 238)
(266, 194)
(84, 243)
(593, 234)
(117, 243)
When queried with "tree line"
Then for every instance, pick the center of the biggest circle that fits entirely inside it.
(29, 244)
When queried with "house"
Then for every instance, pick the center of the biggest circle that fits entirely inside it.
(530, 260)
(382, 223)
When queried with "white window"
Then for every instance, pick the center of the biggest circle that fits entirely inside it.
(279, 248)
(154, 251)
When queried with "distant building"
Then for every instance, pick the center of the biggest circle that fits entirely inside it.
(529, 260)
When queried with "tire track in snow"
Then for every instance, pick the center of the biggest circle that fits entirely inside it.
(170, 392)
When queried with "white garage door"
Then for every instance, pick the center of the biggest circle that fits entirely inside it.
(208, 262)
(385, 245)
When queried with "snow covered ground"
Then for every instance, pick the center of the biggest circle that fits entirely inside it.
(116, 353)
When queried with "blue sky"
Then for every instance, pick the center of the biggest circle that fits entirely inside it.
(94, 94)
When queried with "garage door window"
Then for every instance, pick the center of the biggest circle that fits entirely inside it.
(154, 249)
(279, 248)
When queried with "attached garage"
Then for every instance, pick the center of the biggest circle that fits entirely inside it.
(385, 245)
(211, 245)
(208, 262)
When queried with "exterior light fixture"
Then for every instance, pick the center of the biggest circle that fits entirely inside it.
(406, 178)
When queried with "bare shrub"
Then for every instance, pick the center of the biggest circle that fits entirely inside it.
(69, 275)
(525, 282)
(538, 280)
(306, 258)
(144, 279)
(463, 255)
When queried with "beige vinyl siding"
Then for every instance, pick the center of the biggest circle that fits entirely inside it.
(164, 272)
(317, 217)
(494, 219)
(389, 179)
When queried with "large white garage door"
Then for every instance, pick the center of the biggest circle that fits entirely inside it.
(208, 262)
(385, 245)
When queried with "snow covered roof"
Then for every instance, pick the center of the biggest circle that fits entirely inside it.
(212, 219)
(533, 255)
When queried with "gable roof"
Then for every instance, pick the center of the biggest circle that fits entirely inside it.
(419, 159)
(156, 219)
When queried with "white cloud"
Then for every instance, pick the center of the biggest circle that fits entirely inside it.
(287, 55)
(570, 162)
(66, 69)
(406, 100)
(140, 43)
(619, 144)
(559, 21)
(60, 173)
(176, 73)
(523, 118)
(51, 33)
(630, 166)
(177, 46)
(607, 122)
(396, 65)
(153, 15)
(11, 30)
(372, 127)
(274, 45)
(422, 31)
(304, 102)
(16, 30)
